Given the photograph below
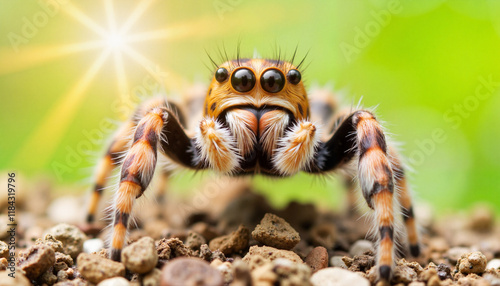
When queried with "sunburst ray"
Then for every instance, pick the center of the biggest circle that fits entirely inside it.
(171, 79)
(31, 57)
(52, 128)
(81, 17)
(136, 15)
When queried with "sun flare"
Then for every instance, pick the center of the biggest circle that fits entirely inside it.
(114, 41)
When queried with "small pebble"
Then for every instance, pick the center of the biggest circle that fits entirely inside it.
(276, 232)
(4, 250)
(231, 243)
(63, 261)
(93, 245)
(195, 240)
(171, 248)
(361, 247)
(37, 260)
(271, 253)
(403, 273)
(70, 236)
(241, 274)
(47, 278)
(152, 278)
(51, 241)
(141, 256)
(429, 272)
(3, 264)
(115, 281)
(74, 282)
(208, 255)
(317, 259)
(291, 273)
(190, 271)
(444, 271)
(282, 271)
(336, 261)
(62, 275)
(335, 276)
(264, 275)
(95, 268)
(225, 268)
(70, 272)
(359, 263)
(434, 281)
(474, 262)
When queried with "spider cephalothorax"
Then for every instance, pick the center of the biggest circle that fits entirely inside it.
(257, 83)
(258, 118)
(257, 100)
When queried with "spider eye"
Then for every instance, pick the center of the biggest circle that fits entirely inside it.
(243, 80)
(272, 80)
(221, 74)
(294, 76)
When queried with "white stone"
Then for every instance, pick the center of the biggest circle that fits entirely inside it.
(93, 245)
(335, 276)
(493, 264)
(336, 261)
(67, 209)
(360, 247)
(115, 281)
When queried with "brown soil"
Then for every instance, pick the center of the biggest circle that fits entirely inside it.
(241, 240)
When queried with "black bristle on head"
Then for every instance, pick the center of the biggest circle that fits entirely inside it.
(212, 60)
(294, 54)
(238, 54)
(302, 61)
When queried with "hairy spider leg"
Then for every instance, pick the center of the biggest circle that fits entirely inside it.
(106, 166)
(160, 127)
(324, 110)
(119, 144)
(405, 201)
(361, 136)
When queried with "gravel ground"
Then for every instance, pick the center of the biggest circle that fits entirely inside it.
(239, 239)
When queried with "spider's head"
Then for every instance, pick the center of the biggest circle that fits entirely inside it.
(257, 83)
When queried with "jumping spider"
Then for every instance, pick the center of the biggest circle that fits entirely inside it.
(258, 119)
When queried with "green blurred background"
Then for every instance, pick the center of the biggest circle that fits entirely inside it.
(431, 67)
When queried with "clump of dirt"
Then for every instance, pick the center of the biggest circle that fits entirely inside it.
(276, 232)
(247, 242)
(141, 256)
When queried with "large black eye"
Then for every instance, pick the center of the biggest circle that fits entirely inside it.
(243, 80)
(221, 74)
(272, 80)
(293, 76)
